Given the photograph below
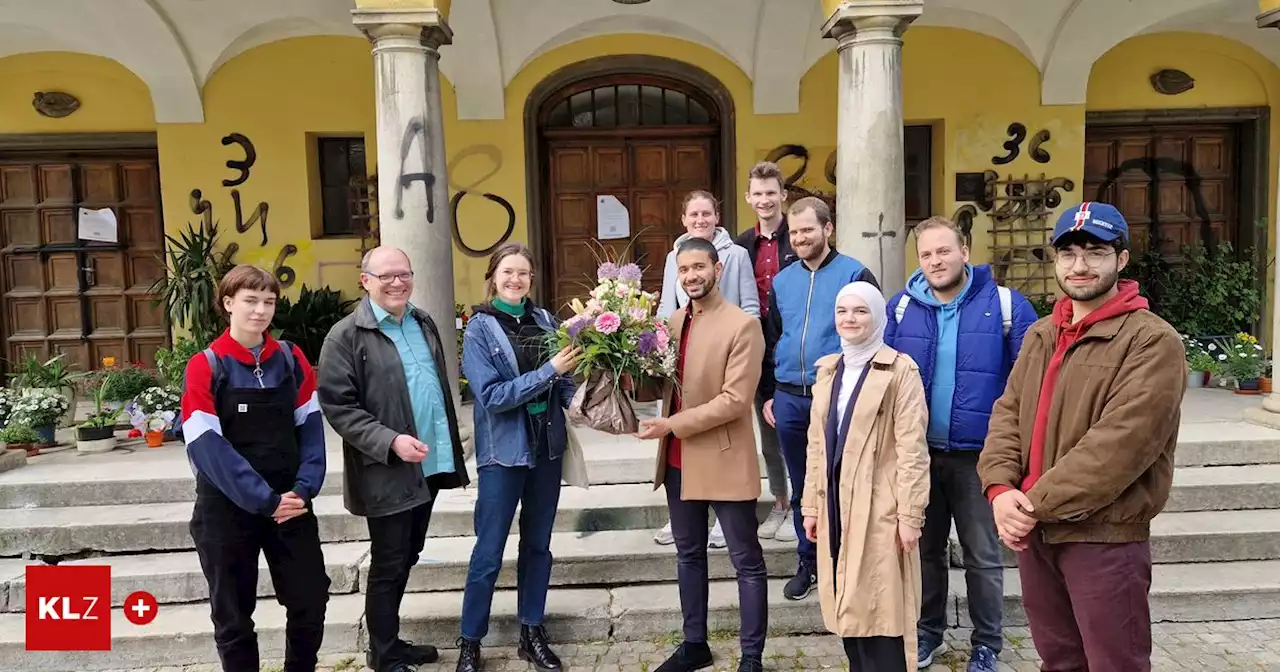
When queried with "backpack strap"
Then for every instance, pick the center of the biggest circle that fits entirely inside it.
(1006, 308)
(215, 368)
(286, 349)
(901, 307)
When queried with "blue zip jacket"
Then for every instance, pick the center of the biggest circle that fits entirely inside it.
(982, 357)
(501, 431)
(801, 327)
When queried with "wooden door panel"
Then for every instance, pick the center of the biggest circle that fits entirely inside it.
(651, 161)
(654, 213)
(575, 215)
(609, 167)
(571, 168)
(52, 304)
(693, 165)
(20, 228)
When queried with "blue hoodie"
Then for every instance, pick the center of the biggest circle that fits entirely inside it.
(961, 349)
(943, 385)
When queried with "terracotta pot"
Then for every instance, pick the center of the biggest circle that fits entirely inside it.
(1264, 385)
(155, 439)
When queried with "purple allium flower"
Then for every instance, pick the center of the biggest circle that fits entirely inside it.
(576, 326)
(607, 271)
(647, 343)
(608, 322)
(630, 273)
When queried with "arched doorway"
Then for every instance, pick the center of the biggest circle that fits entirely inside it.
(637, 132)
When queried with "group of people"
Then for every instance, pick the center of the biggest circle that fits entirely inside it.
(880, 420)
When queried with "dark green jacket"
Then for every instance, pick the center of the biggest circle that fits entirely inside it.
(365, 398)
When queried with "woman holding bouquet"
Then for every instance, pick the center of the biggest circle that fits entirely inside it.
(521, 390)
(867, 487)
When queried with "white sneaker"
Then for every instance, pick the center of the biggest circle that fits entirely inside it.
(716, 538)
(787, 530)
(663, 537)
(770, 526)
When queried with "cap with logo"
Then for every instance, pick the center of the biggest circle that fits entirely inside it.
(1100, 220)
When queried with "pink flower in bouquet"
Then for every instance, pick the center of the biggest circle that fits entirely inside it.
(594, 307)
(664, 337)
(608, 322)
(637, 314)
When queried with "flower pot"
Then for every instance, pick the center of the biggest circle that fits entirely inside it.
(1249, 386)
(155, 439)
(1195, 379)
(96, 445)
(95, 433)
(1264, 385)
(46, 434)
(24, 447)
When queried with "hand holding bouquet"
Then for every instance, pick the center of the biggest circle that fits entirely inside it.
(620, 337)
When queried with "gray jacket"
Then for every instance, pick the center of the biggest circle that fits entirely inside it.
(365, 397)
(737, 281)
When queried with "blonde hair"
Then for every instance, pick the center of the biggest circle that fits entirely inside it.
(820, 208)
(940, 222)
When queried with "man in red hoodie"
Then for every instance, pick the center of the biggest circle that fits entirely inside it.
(1079, 455)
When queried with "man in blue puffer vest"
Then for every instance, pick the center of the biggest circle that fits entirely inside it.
(798, 330)
(964, 331)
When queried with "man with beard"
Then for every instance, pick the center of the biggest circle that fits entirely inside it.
(707, 455)
(964, 331)
(798, 332)
(1079, 456)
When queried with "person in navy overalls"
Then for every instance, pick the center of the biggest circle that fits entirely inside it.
(255, 440)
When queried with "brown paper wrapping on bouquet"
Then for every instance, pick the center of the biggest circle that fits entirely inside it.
(602, 404)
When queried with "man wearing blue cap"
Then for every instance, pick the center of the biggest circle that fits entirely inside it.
(1079, 455)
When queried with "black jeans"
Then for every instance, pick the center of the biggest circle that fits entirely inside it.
(689, 529)
(956, 492)
(875, 654)
(396, 541)
(228, 540)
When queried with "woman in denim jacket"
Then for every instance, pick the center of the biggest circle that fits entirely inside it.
(521, 391)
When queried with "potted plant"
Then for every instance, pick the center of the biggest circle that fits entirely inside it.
(40, 409)
(154, 412)
(1243, 361)
(50, 376)
(97, 434)
(1200, 363)
(7, 396)
(21, 437)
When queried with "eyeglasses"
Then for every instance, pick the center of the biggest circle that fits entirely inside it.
(387, 279)
(1092, 258)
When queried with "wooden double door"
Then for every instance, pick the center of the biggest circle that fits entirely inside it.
(648, 173)
(63, 295)
(1178, 184)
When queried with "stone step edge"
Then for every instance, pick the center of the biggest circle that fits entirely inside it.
(181, 635)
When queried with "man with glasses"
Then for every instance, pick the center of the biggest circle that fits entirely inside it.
(1079, 456)
(384, 389)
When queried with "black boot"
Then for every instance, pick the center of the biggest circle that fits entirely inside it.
(469, 659)
(535, 649)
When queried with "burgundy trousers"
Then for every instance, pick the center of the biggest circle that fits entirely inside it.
(1087, 605)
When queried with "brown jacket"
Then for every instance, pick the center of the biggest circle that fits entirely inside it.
(717, 437)
(884, 480)
(1111, 432)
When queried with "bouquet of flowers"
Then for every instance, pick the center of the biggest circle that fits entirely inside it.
(620, 339)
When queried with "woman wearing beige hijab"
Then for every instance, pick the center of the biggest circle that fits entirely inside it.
(867, 487)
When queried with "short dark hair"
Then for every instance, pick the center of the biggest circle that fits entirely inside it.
(247, 277)
(1084, 239)
(766, 170)
(698, 245)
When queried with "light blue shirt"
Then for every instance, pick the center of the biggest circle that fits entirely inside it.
(425, 395)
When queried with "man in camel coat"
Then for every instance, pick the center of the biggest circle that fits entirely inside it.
(707, 454)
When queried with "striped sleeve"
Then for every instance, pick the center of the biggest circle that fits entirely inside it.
(310, 428)
(210, 453)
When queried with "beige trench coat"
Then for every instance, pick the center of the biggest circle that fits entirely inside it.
(884, 480)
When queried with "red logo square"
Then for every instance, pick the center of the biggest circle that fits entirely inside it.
(68, 608)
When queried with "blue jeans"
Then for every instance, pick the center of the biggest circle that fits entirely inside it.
(537, 491)
(791, 413)
(956, 492)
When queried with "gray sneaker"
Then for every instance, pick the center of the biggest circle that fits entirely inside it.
(715, 539)
(769, 528)
(787, 530)
(663, 537)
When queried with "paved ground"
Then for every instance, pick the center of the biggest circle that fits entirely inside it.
(1241, 645)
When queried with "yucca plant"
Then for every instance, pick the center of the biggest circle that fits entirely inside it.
(189, 287)
(308, 321)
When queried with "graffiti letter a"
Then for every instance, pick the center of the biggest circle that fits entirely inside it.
(416, 129)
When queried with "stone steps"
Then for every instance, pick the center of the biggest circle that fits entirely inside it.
(182, 634)
(164, 475)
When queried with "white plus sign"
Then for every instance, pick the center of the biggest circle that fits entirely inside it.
(1082, 216)
(141, 608)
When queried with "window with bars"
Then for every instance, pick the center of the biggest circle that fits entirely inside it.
(342, 164)
(629, 105)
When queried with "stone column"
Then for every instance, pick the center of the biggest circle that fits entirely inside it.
(1269, 413)
(413, 187)
(870, 194)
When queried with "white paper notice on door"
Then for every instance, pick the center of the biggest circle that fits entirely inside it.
(612, 219)
(98, 225)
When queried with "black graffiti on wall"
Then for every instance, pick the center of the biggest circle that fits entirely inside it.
(1013, 147)
(250, 158)
(473, 189)
(416, 129)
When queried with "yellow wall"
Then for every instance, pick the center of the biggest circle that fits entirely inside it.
(112, 98)
(275, 95)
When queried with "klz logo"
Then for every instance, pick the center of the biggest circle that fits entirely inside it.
(68, 608)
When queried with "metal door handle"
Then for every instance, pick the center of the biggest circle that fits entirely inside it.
(90, 275)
